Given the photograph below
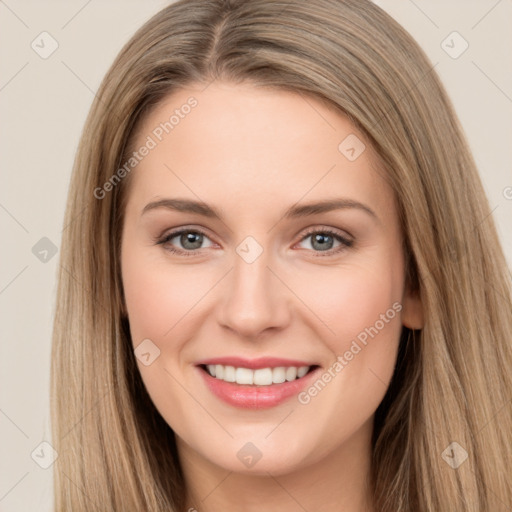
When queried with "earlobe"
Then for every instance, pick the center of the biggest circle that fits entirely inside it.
(412, 311)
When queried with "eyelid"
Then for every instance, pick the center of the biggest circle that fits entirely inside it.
(173, 233)
(327, 229)
(345, 241)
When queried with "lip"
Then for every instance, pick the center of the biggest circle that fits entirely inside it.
(256, 397)
(255, 364)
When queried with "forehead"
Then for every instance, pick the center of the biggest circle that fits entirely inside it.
(254, 144)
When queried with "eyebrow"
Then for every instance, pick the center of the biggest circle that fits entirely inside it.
(295, 211)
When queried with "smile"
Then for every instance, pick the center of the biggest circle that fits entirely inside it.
(257, 383)
(261, 377)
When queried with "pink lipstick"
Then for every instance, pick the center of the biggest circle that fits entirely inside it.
(256, 383)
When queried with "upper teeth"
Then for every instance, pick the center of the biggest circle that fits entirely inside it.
(260, 377)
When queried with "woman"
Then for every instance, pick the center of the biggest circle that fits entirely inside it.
(280, 284)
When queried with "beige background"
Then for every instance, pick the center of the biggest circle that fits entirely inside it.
(43, 104)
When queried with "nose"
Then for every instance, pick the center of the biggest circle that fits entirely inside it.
(254, 299)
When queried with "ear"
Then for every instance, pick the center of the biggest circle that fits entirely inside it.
(412, 310)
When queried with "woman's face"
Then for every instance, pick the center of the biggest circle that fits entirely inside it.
(261, 241)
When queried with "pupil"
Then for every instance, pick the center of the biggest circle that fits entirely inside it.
(323, 240)
(194, 239)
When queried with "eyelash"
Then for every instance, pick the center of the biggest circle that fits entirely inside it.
(346, 243)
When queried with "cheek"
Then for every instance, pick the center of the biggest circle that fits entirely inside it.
(360, 308)
(159, 295)
(160, 300)
(349, 300)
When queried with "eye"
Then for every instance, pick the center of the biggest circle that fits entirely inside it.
(189, 241)
(326, 241)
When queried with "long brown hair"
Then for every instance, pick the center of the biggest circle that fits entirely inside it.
(453, 378)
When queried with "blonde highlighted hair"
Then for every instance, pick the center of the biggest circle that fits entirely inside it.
(453, 380)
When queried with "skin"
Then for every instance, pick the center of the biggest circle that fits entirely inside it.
(251, 153)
